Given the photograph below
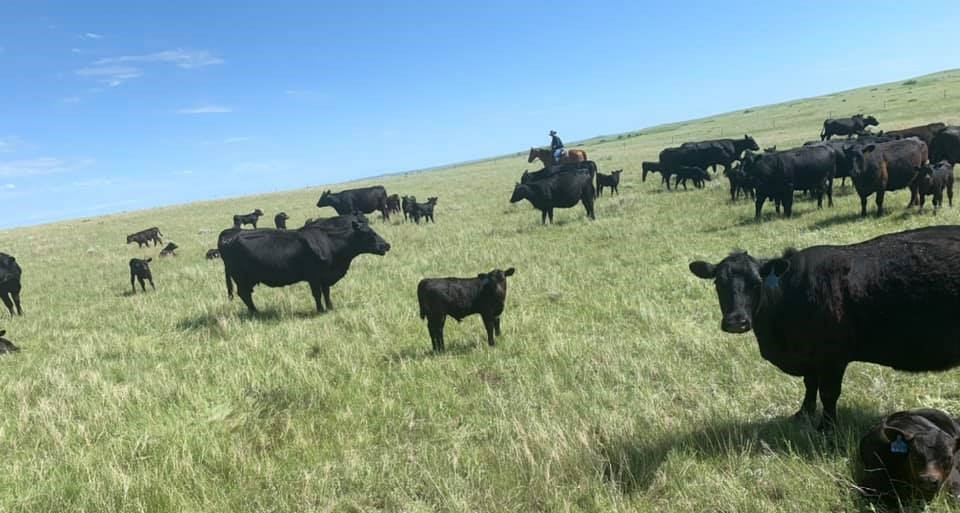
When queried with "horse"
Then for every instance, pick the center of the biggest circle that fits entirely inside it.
(546, 156)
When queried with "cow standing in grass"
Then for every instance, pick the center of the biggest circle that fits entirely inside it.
(460, 297)
(280, 220)
(145, 237)
(140, 271)
(933, 180)
(252, 218)
(612, 181)
(854, 125)
(562, 190)
(10, 287)
(365, 200)
(890, 166)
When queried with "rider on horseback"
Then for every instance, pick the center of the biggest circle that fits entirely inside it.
(556, 145)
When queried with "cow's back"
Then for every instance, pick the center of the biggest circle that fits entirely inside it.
(456, 297)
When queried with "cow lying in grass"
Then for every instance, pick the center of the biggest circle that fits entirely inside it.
(140, 271)
(5, 345)
(461, 297)
(213, 254)
(169, 250)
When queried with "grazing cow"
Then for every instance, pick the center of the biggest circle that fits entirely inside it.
(280, 220)
(655, 167)
(945, 145)
(144, 237)
(10, 283)
(213, 254)
(461, 297)
(612, 181)
(923, 132)
(890, 166)
(910, 455)
(393, 203)
(562, 190)
(698, 175)
(169, 250)
(365, 200)
(586, 166)
(933, 179)
(406, 204)
(777, 175)
(716, 152)
(319, 254)
(5, 345)
(814, 311)
(740, 182)
(424, 210)
(140, 271)
(251, 218)
(854, 125)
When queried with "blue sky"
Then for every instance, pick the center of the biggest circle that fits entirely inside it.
(112, 106)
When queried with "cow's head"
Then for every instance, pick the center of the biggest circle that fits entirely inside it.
(742, 282)
(520, 192)
(870, 121)
(367, 240)
(326, 199)
(914, 453)
(750, 143)
(9, 269)
(432, 201)
(257, 212)
(616, 173)
(496, 280)
(855, 158)
(129, 239)
(283, 215)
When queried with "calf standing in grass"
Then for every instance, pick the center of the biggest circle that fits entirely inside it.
(393, 203)
(10, 283)
(169, 250)
(461, 297)
(280, 220)
(213, 254)
(251, 218)
(934, 178)
(5, 345)
(423, 210)
(612, 181)
(407, 204)
(140, 270)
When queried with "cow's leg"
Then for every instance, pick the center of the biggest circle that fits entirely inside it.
(788, 204)
(830, 192)
(6, 301)
(550, 214)
(543, 216)
(863, 206)
(950, 194)
(496, 325)
(880, 202)
(809, 405)
(133, 285)
(830, 383)
(489, 324)
(16, 301)
(245, 291)
(326, 297)
(588, 205)
(435, 325)
(316, 290)
(759, 205)
(143, 285)
(152, 286)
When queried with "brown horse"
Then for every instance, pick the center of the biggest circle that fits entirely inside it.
(546, 156)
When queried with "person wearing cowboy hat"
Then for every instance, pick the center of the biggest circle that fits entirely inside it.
(556, 145)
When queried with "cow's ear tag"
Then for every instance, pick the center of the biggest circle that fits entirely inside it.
(772, 281)
(898, 446)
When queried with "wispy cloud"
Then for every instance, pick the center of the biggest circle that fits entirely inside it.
(187, 59)
(41, 166)
(206, 109)
(92, 35)
(110, 75)
(9, 186)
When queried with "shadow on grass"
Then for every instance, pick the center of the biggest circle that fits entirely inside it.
(633, 464)
(269, 316)
(849, 217)
(426, 352)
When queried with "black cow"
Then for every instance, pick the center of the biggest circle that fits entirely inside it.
(770, 149)
(945, 145)
(319, 254)
(838, 148)
(280, 220)
(890, 166)
(393, 203)
(213, 254)
(854, 125)
(140, 271)
(144, 237)
(933, 179)
(696, 174)
(923, 132)
(365, 200)
(169, 250)
(612, 181)
(461, 297)
(655, 167)
(406, 204)
(423, 210)
(891, 300)
(777, 175)
(251, 218)
(740, 182)
(910, 455)
(586, 166)
(5, 345)
(714, 152)
(10, 273)
(562, 190)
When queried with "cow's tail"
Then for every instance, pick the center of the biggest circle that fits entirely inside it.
(226, 274)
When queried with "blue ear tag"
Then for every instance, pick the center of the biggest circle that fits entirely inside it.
(898, 446)
(772, 281)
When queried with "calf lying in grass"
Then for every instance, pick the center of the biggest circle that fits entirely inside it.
(213, 254)
(5, 345)
(169, 250)
(140, 270)
(461, 297)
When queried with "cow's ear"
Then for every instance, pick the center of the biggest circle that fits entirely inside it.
(13, 259)
(703, 270)
(149, 260)
(895, 435)
(868, 148)
(777, 267)
(509, 272)
(3, 332)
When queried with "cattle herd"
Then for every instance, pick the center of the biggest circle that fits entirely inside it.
(890, 300)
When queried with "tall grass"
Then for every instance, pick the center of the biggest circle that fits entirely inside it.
(612, 389)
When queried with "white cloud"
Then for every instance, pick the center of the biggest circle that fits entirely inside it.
(41, 166)
(9, 186)
(186, 59)
(110, 75)
(92, 35)
(206, 109)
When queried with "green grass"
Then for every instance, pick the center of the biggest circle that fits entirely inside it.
(612, 389)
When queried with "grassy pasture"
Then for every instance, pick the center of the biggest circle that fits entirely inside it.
(612, 389)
